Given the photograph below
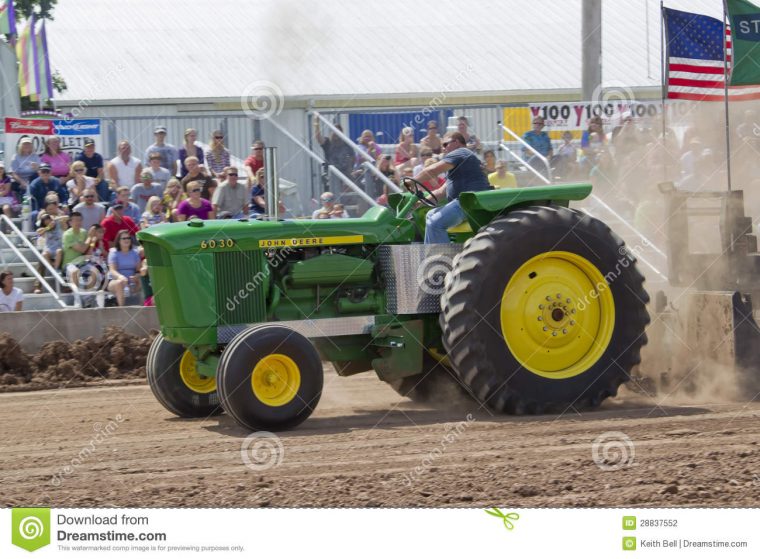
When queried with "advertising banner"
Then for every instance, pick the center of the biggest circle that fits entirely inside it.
(73, 134)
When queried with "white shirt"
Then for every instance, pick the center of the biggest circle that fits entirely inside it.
(125, 171)
(8, 302)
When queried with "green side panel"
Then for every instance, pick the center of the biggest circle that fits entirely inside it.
(331, 269)
(195, 285)
(189, 336)
(242, 282)
(482, 207)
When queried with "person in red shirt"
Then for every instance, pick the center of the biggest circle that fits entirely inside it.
(116, 222)
(255, 161)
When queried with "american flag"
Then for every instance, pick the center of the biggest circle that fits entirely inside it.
(695, 51)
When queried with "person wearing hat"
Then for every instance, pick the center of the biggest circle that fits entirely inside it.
(145, 190)
(169, 154)
(131, 210)
(116, 222)
(24, 165)
(327, 211)
(92, 160)
(43, 185)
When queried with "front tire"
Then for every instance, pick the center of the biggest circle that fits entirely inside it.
(175, 382)
(270, 378)
(544, 309)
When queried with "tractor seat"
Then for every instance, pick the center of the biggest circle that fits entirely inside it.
(463, 227)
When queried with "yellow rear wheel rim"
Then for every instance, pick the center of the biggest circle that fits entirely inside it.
(557, 315)
(188, 372)
(275, 380)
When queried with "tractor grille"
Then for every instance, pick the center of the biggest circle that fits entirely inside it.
(241, 282)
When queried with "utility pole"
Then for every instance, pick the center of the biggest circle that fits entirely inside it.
(591, 48)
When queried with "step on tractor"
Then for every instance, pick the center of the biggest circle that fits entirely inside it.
(532, 308)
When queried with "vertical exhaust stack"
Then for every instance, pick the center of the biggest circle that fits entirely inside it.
(273, 191)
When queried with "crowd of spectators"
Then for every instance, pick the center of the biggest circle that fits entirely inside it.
(82, 208)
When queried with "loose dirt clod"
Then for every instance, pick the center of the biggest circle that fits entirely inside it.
(117, 355)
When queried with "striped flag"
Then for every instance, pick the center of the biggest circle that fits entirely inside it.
(25, 59)
(44, 76)
(7, 18)
(695, 49)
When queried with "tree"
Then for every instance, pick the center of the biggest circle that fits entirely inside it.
(40, 8)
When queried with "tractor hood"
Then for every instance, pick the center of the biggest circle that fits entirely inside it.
(377, 225)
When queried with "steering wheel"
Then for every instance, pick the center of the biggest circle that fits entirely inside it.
(417, 189)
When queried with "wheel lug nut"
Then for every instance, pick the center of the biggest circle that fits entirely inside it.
(545, 328)
(559, 296)
(540, 318)
(554, 333)
(572, 323)
(567, 300)
(572, 311)
(564, 330)
(540, 306)
(548, 298)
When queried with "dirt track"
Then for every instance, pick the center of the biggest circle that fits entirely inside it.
(366, 446)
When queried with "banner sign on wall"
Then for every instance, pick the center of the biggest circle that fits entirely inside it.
(72, 133)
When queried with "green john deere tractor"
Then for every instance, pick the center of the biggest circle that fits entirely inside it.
(533, 307)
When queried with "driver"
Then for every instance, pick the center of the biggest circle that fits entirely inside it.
(463, 174)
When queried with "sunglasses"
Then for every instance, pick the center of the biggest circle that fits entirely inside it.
(88, 197)
(258, 149)
(196, 190)
(125, 239)
(444, 144)
(219, 137)
(44, 170)
(79, 170)
(232, 174)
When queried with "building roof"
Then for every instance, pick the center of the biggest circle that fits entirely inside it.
(148, 50)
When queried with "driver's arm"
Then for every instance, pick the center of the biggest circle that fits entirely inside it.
(431, 174)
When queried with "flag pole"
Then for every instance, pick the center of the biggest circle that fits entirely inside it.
(663, 78)
(725, 93)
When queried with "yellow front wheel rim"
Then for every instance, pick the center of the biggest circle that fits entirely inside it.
(188, 372)
(275, 380)
(557, 315)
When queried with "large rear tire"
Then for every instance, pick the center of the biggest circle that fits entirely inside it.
(270, 378)
(544, 309)
(175, 382)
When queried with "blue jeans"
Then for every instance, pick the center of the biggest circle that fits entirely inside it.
(438, 220)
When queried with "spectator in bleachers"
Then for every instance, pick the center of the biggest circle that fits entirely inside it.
(425, 154)
(405, 149)
(473, 142)
(258, 194)
(437, 182)
(593, 142)
(195, 205)
(337, 152)
(217, 156)
(44, 185)
(159, 174)
(4, 177)
(189, 148)
(11, 298)
(169, 153)
(154, 213)
(9, 202)
(432, 140)
(145, 190)
(116, 222)
(489, 162)
(24, 166)
(328, 211)
(92, 160)
(53, 224)
(75, 246)
(195, 173)
(80, 182)
(129, 208)
(231, 196)
(501, 177)
(91, 211)
(604, 174)
(538, 139)
(367, 145)
(255, 161)
(692, 152)
(173, 195)
(59, 161)
(124, 169)
(373, 185)
(123, 268)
